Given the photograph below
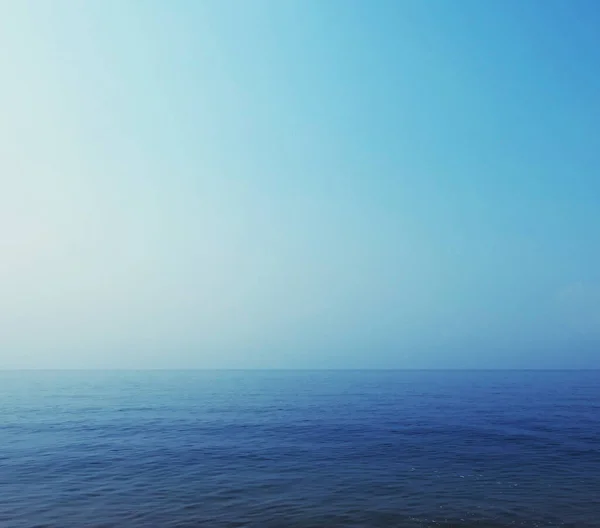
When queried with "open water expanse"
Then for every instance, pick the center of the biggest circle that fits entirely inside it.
(299, 449)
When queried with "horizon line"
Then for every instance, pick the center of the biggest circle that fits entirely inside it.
(300, 369)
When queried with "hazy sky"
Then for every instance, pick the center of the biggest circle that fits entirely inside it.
(299, 183)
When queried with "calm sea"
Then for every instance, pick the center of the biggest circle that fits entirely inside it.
(299, 449)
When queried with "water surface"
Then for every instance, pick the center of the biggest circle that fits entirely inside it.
(299, 449)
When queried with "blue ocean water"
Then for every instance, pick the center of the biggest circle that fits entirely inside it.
(299, 449)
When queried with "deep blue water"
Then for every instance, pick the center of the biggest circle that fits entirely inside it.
(299, 449)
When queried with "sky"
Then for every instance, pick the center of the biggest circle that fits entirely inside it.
(299, 184)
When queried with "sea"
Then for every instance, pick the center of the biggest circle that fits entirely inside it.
(299, 449)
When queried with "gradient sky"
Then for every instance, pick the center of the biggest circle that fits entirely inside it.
(299, 184)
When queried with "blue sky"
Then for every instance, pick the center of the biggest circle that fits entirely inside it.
(299, 184)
